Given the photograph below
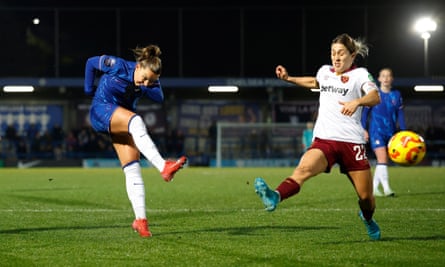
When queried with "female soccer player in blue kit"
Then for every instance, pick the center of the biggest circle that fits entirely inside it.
(381, 126)
(338, 135)
(113, 111)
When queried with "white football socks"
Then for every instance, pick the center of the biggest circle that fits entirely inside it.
(381, 177)
(135, 189)
(143, 142)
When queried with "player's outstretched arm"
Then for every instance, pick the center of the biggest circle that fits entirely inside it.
(304, 81)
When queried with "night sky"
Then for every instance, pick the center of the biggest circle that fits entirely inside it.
(217, 38)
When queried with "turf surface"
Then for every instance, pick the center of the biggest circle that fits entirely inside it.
(212, 217)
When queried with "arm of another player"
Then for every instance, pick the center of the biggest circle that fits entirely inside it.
(365, 114)
(305, 81)
(364, 121)
(401, 118)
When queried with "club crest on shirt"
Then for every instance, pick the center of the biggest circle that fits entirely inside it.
(109, 62)
(393, 102)
(344, 79)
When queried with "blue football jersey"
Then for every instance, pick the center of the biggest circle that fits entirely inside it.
(386, 117)
(116, 84)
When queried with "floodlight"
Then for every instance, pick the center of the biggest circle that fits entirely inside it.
(18, 89)
(223, 89)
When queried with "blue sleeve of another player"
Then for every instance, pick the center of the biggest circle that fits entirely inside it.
(155, 92)
(401, 112)
(364, 119)
(90, 69)
(401, 118)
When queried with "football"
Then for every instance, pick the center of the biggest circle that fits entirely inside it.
(406, 148)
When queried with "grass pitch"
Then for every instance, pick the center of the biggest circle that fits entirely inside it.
(212, 217)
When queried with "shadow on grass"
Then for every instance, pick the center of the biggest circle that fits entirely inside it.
(250, 230)
(391, 239)
(59, 228)
(58, 201)
(236, 231)
(46, 189)
(415, 238)
(407, 194)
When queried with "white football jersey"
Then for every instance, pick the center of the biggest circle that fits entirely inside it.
(331, 124)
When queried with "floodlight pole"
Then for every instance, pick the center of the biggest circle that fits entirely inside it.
(425, 55)
(425, 26)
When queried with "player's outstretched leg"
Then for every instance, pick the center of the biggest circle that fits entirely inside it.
(269, 197)
(371, 226)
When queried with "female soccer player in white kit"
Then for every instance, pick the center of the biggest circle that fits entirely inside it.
(338, 134)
